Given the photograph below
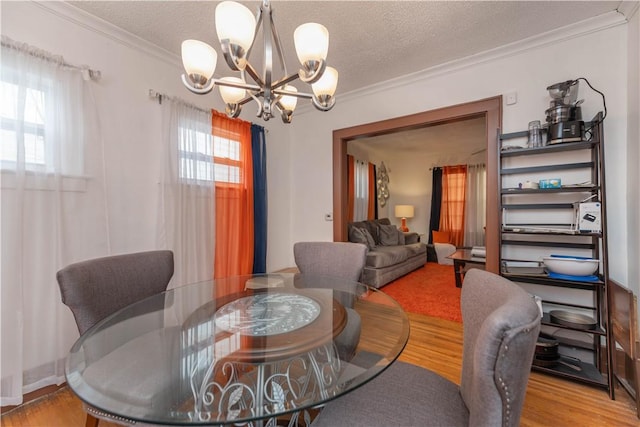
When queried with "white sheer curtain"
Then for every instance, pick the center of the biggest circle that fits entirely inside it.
(53, 210)
(476, 205)
(187, 211)
(361, 188)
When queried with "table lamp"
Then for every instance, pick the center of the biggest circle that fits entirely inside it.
(404, 212)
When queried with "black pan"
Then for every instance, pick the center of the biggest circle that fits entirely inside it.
(551, 363)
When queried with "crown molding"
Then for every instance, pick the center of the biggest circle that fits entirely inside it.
(629, 8)
(106, 29)
(579, 29)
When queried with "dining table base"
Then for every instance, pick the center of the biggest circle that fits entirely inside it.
(250, 390)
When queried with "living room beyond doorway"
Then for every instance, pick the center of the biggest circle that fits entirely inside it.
(490, 108)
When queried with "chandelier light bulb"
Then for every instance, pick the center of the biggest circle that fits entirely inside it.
(198, 58)
(289, 102)
(236, 28)
(232, 95)
(236, 23)
(327, 84)
(312, 42)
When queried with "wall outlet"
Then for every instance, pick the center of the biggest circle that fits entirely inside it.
(328, 217)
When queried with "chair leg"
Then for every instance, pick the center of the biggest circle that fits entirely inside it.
(91, 421)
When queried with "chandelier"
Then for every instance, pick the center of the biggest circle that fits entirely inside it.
(237, 27)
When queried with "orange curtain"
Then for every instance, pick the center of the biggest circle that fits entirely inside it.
(351, 191)
(371, 211)
(234, 196)
(454, 180)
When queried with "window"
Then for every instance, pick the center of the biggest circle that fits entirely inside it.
(22, 127)
(205, 157)
(454, 198)
(196, 154)
(453, 202)
(361, 191)
(228, 166)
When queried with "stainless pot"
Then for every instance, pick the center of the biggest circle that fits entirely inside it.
(563, 113)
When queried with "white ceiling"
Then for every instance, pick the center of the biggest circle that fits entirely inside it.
(370, 41)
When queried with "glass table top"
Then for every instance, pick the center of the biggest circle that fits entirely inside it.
(236, 350)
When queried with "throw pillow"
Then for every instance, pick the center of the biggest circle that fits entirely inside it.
(441, 237)
(357, 236)
(371, 243)
(361, 235)
(401, 239)
(388, 235)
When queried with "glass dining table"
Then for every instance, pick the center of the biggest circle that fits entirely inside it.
(251, 350)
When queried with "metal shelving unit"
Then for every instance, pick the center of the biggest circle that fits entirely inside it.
(539, 232)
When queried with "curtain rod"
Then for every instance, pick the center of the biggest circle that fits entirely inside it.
(472, 165)
(153, 94)
(87, 73)
(161, 96)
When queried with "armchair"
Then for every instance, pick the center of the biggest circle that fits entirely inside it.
(96, 288)
(501, 322)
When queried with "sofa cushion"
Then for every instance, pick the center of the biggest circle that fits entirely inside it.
(416, 248)
(401, 237)
(385, 256)
(388, 235)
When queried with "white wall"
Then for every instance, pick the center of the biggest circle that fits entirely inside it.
(596, 50)
(633, 147)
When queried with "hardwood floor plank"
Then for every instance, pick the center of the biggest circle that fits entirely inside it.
(435, 344)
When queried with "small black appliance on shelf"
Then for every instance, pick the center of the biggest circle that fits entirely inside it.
(564, 115)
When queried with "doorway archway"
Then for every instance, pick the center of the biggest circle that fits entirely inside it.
(490, 108)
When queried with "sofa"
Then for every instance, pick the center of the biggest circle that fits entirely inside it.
(391, 254)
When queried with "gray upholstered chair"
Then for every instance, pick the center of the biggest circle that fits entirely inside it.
(96, 288)
(500, 327)
(339, 259)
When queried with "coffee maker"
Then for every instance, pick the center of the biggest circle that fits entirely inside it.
(564, 115)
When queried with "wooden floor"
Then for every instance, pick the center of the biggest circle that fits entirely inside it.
(435, 344)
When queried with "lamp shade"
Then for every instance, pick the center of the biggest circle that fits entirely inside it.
(199, 58)
(404, 211)
(289, 102)
(236, 23)
(327, 84)
(311, 41)
(232, 95)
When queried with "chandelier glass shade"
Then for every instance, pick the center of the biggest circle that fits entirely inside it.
(237, 28)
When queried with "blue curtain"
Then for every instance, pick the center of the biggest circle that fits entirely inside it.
(436, 202)
(259, 155)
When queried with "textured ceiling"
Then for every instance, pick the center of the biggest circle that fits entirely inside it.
(370, 41)
(465, 136)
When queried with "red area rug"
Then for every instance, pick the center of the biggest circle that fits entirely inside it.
(430, 291)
